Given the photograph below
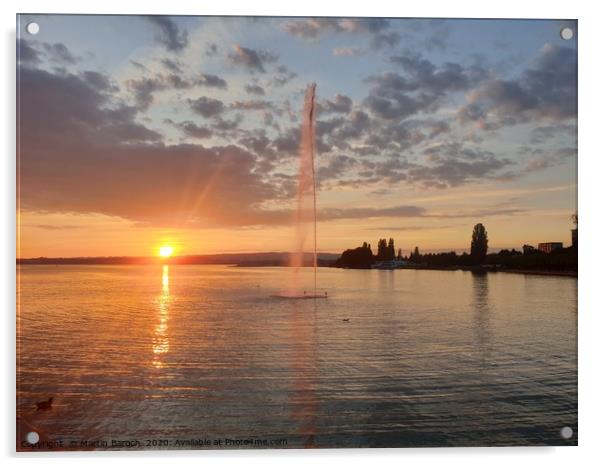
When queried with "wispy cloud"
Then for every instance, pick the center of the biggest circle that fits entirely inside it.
(169, 34)
(253, 60)
(346, 52)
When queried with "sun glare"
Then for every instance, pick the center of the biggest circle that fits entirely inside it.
(165, 251)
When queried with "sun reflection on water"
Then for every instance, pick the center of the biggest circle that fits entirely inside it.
(160, 338)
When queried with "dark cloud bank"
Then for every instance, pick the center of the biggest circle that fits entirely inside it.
(82, 149)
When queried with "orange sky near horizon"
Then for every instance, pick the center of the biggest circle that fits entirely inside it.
(88, 235)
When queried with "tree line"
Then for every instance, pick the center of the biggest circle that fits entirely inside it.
(530, 258)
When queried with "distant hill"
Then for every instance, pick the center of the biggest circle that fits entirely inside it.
(254, 259)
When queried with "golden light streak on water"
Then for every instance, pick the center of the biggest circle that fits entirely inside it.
(161, 339)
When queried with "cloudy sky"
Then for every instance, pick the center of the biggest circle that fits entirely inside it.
(137, 131)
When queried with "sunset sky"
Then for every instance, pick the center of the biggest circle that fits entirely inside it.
(135, 132)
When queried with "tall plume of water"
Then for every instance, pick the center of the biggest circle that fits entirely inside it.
(305, 216)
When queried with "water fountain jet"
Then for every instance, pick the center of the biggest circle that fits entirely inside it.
(306, 203)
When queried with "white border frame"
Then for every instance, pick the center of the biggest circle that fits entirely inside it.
(590, 308)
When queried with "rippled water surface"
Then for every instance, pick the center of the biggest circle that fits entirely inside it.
(391, 358)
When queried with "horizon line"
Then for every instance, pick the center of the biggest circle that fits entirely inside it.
(150, 256)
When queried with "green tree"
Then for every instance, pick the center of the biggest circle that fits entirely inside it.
(479, 244)
(381, 252)
(391, 249)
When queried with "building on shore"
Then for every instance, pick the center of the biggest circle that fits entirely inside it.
(574, 237)
(549, 247)
(389, 265)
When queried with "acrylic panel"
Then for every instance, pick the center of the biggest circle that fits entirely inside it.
(291, 232)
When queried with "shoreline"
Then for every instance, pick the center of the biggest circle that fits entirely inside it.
(548, 272)
(478, 269)
(557, 273)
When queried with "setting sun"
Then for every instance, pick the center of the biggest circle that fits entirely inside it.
(165, 251)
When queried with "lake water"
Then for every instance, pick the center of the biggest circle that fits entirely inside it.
(173, 356)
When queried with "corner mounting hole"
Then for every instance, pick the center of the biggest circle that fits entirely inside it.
(566, 33)
(33, 28)
(566, 432)
(32, 438)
